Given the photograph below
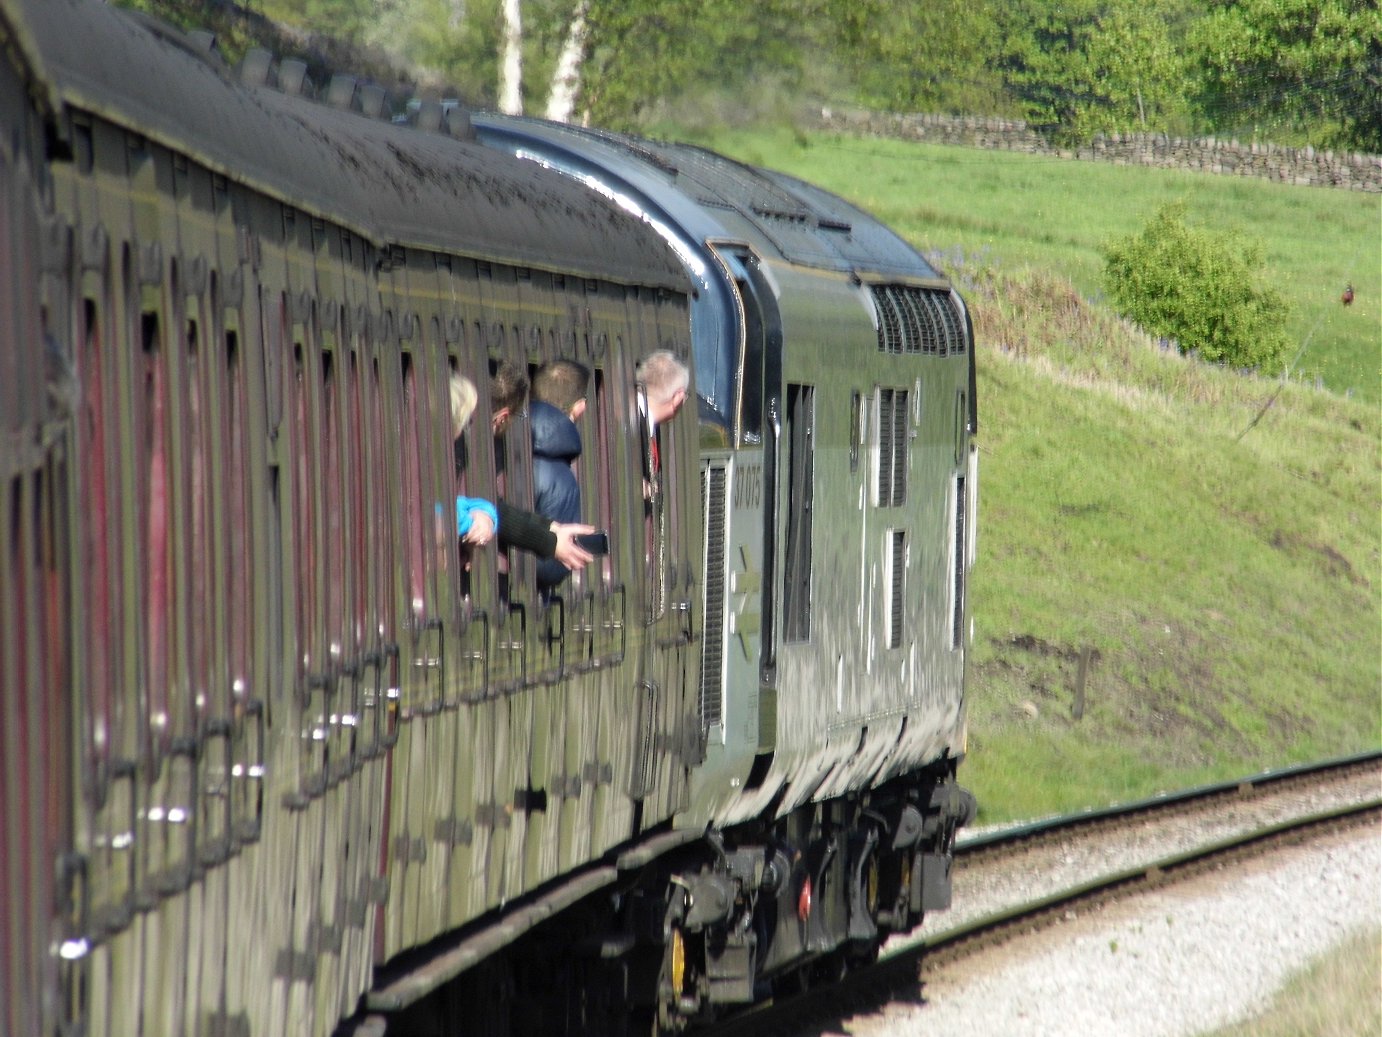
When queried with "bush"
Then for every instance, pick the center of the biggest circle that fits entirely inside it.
(1200, 290)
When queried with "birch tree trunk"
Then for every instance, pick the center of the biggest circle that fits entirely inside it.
(511, 61)
(566, 78)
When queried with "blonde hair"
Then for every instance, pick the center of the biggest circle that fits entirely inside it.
(463, 399)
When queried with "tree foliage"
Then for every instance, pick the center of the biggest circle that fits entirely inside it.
(1293, 71)
(1199, 289)
(921, 55)
(1090, 66)
(1294, 65)
(646, 51)
(1142, 76)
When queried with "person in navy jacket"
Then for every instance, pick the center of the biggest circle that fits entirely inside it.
(558, 402)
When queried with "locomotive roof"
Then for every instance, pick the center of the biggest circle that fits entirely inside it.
(710, 196)
(391, 184)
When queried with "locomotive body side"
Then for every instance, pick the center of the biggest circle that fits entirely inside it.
(836, 371)
(870, 666)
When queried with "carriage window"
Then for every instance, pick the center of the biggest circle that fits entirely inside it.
(239, 565)
(411, 464)
(655, 447)
(100, 565)
(596, 470)
(353, 482)
(197, 495)
(334, 516)
(383, 476)
(437, 465)
(154, 492)
(305, 504)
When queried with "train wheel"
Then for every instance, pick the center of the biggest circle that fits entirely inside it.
(671, 983)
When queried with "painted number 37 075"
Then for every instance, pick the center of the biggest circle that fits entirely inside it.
(748, 487)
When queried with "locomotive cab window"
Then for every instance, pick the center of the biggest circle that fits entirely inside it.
(801, 440)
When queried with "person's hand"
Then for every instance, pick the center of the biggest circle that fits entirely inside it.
(568, 552)
(481, 530)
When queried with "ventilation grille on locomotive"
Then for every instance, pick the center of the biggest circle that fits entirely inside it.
(713, 481)
(893, 439)
(917, 320)
(897, 585)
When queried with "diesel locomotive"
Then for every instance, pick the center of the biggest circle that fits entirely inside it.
(281, 755)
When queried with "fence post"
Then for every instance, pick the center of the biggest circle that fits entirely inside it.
(1080, 681)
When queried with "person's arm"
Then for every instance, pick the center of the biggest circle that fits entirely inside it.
(526, 530)
(546, 539)
(476, 520)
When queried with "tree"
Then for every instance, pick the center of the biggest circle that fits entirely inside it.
(346, 20)
(1303, 67)
(511, 60)
(1087, 66)
(917, 55)
(1044, 62)
(1141, 75)
(1200, 290)
(566, 78)
(644, 52)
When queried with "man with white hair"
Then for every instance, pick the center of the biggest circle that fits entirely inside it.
(664, 381)
(663, 384)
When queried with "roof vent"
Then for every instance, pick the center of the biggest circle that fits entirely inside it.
(254, 69)
(292, 77)
(204, 40)
(372, 97)
(429, 116)
(340, 93)
(458, 124)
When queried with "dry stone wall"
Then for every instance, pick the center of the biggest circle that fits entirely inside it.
(1305, 166)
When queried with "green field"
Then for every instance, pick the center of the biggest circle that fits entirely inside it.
(1014, 211)
(1206, 545)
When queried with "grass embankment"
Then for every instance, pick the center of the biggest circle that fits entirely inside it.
(1335, 996)
(1209, 542)
(1013, 211)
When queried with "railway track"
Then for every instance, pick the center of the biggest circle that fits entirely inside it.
(1027, 878)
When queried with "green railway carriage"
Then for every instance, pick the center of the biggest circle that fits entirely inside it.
(280, 756)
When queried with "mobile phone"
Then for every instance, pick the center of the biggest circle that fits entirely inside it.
(595, 543)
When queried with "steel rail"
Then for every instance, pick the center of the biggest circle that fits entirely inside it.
(896, 972)
(1143, 876)
(1165, 801)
